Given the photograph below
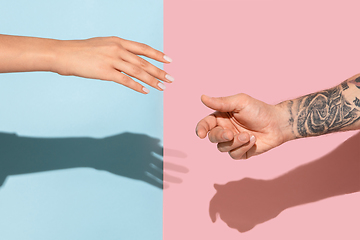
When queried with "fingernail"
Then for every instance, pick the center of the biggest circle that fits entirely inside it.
(252, 138)
(146, 90)
(162, 86)
(170, 78)
(225, 136)
(167, 58)
(242, 137)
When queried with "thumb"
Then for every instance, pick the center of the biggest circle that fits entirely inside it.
(217, 186)
(222, 104)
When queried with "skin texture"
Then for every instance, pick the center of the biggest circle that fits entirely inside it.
(105, 58)
(245, 127)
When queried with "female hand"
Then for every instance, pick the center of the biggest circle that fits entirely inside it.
(112, 59)
(104, 58)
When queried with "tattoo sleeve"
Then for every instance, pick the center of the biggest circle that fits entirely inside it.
(331, 110)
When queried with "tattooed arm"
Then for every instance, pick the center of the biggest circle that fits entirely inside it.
(332, 110)
(244, 126)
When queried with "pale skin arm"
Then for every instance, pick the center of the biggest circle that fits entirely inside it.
(104, 58)
(245, 127)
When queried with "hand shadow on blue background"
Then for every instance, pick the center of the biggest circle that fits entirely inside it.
(245, 203)
(131, 155)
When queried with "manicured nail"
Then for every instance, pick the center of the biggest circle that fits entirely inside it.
(162, 86)
(252, 138)
(170, 78)
(146, 90)
(167, 58)
(242, 137)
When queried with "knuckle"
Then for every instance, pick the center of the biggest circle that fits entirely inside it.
(125, 80)
(159, 55)
(136, 70)
(143, 63)
(114, 47)
(243, 97)
(143, 47)
(159, 72)
(113, 39)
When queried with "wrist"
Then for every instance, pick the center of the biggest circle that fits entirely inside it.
(55, 56)
(285, 118)
(38, 54)
(49, 55)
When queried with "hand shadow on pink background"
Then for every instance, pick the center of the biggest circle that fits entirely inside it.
(248, 202)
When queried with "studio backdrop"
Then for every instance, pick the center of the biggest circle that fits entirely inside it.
(80, 158)
(272, 50)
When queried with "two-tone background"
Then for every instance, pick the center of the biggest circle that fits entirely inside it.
(82, 159)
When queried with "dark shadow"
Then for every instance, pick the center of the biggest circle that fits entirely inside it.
(245, 203)
(135, 156)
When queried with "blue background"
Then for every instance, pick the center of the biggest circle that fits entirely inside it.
(80, 158)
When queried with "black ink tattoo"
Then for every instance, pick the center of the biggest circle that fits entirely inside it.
(356, 82)
(344, 85)
(291, 120)
(324, 112)
(357, 102)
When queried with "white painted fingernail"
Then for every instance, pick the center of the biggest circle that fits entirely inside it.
(167, 58)
(162, 86)
(170, 78)
(252, 138)
(146, 90)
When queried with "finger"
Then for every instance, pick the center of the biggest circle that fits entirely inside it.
(213, 209)
(175, 167)
(148, 67)
(240, 153)
(251, 152)
(218, 134)
(140, 74)
(153, 180)
(172, 179)
(205, 125)
(224, 104)
(217, 187)
(212, 214)
(238, 141)
(145, 50)
(127, 81)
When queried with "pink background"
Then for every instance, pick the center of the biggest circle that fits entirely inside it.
(273, 51)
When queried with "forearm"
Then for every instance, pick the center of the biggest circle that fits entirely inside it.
(331, 110)
(26, 54)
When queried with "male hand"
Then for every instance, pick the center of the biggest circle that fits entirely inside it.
(244, 126)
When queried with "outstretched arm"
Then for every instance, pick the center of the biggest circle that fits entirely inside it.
(105, 58)
(332, 110)
(244, 126)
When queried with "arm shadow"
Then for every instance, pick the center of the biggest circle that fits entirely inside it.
(136, 156)
(248, 202)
